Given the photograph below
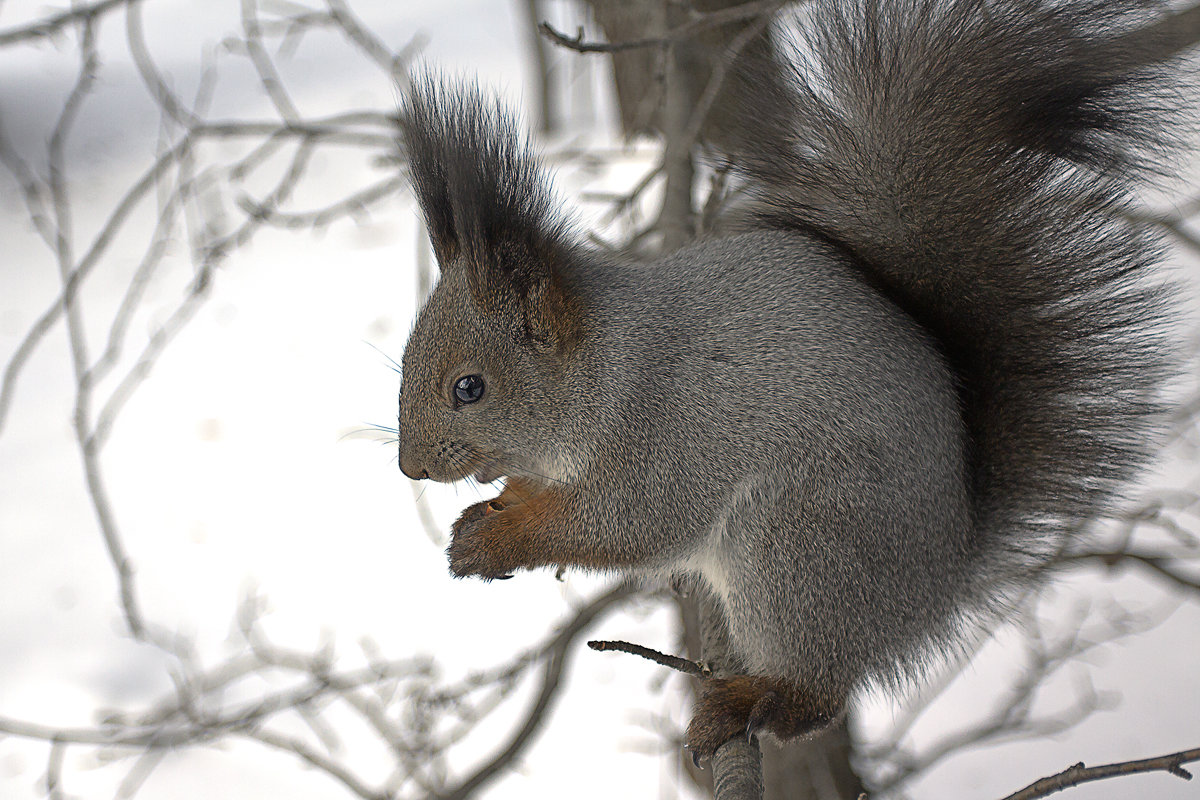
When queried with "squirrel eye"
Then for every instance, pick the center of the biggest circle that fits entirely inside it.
(468, 389)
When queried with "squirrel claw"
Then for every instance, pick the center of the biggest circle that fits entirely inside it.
(744, 705)
(695, 757)
(767, 706)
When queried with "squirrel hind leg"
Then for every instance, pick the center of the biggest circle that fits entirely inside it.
(744, 705)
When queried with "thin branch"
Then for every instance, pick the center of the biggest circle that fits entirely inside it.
(89, 62)
(52, 25)
(197, 291)
(684, 665)
(1078, 774)
(716, 78)
(54, 766)
(558, 652)
(326, 764)
(108, 231)
(351, 206)
(268, 75)
(687, 30)
(368, 42)
(149, 72)
(1162, 566)
(137, 738)
(33, 189)
(137, 775)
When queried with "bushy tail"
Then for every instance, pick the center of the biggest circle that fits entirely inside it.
(974, 156)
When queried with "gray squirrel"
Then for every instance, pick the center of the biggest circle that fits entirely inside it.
(935, 350)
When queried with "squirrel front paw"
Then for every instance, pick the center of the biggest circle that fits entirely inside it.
(477, 548)
(743, 705)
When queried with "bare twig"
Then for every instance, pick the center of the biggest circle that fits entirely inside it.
(1159, 564)
(1078, 773)
(64, 233)
(87, 263)
(370, 44)
(716, 78)
(701, 22)
(684, 665)
(53, 24)
(54, 766)
(314, 757)
(148, 70)
(557, 651)
(268, 75)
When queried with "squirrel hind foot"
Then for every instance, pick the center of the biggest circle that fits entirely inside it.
(744, 705)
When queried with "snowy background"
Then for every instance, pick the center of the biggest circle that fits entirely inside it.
(242, 465)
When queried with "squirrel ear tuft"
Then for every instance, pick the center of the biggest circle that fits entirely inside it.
(486, 203)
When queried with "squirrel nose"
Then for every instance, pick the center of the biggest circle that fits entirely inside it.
(410, 469)
(423, 475)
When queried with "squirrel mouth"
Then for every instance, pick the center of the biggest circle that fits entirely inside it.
(488, 474)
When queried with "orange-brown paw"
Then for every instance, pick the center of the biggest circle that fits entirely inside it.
(476, 548)
(743, 705)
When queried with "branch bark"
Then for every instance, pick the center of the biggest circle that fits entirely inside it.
(737, 765)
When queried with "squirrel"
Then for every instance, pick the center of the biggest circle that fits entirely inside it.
(935, 349)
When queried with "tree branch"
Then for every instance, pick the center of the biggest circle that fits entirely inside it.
(558, 651)
(684, 665)
(1078, 774)
(54, 24)
(701, 22)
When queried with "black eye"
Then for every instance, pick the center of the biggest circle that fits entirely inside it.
(469, 388)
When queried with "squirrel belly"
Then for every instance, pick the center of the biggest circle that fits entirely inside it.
(935, 353)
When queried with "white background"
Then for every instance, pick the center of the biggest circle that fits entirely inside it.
(232, 469)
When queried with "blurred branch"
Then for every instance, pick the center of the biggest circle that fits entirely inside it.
(1015, 715)
(268, 75)
(53, 24)
(1162, 566)
(149, 72)
(315, 758)
(76, 335)
(556, 653)
(700, 22)
(195, 713)
(393, 64)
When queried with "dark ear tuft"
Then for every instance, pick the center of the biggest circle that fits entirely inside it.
(484, 197)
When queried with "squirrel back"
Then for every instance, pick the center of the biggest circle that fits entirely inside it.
(936, 350)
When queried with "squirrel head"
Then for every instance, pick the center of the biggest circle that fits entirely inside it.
(482, 390)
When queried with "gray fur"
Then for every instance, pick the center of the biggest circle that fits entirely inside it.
(934, 353)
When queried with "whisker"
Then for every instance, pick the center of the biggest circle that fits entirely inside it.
(372, 430)
(527, 473)
(474, 484)
(395, 367)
